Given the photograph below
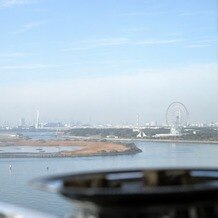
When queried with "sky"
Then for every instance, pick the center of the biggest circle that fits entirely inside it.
(105, 61)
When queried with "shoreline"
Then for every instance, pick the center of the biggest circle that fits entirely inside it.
(58, 155)
(181, 141)
(165, 141)
(86, 148)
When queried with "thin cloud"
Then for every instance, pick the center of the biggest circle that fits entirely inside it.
(30, 26)
(14, 55)
(10, 3)
(28, 66)
(94, 44)
(202, 43)
(173, 34)
(158, 42)
(136, 29)
(148, 13)
(194, 13)
(197, 45)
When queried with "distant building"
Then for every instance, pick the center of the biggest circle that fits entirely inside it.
(175, 130)
(112, 136)
(22, 122)
(153, 123)
(53, 125)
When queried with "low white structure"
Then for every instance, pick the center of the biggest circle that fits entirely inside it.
(141, 135)
(176, 130)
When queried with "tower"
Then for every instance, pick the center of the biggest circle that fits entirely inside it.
(137, 121)
(141, 134)
(37, 120)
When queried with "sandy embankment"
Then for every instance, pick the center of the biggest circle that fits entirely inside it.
(85, 148)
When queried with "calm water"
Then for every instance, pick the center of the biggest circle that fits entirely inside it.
(35, 135)
(14, 184)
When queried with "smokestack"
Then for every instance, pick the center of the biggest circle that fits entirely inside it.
(37, 120)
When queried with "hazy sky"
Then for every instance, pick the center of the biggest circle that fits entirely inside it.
(107, 60)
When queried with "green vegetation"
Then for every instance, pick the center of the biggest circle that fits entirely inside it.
(190, 133)
(200, 133)
(114, 132)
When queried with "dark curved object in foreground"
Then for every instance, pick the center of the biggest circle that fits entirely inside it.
(149, 193)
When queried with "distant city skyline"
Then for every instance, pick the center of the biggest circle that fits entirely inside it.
(107, 61)
(39, 123)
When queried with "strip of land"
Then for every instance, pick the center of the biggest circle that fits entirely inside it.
(85, 147)
(182, 141)
(169, 141)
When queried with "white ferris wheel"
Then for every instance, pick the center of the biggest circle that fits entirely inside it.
(177, 115)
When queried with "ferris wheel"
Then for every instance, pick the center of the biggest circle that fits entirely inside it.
(177, 115)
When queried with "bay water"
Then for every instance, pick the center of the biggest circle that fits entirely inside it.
(15, 187)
